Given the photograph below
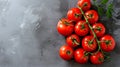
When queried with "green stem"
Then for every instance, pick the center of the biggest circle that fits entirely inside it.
(98, 42)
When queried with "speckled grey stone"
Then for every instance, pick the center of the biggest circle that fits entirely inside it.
(28, 36)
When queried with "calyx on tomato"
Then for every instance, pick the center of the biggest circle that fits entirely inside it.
(98, 28)
(65, 22)
(82, 26)
(108, 42)
(85, 4)
(68, 52)
(78, 15)
(90, 15)
(100, 59)
(90, 42)
(86, 53)
(74, 41)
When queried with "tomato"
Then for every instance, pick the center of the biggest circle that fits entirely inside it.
(81, 28)
(81, 56)
(74, 14)
(89, 43)
(107, 43)
(73, 40)
(65, 27)
(99, 29)
(97, 58)
(66, 52)
(84, 4)
(92, 16)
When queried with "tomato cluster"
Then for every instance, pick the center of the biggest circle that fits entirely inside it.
(86, 37)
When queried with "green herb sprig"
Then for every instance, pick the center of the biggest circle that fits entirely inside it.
(101, 7)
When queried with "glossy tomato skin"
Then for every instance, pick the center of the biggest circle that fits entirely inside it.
(107, 43)
(80, 57)
(92, 16)
(84, 4)
(74, 14)
(73, 40)
(66, 52)
(65, 27)
(89, 43)
(97, 58)
(99, 29)
(81, 28)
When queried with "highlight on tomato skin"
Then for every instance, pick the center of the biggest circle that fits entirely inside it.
(89, 43)
(74, 14)
(65, 27)
(80, 56)
(81, 28)
(107, 43)
(73, 40)
(66, 52)
(97, 58)
(84, 4)
(92, 16)
(99, 29)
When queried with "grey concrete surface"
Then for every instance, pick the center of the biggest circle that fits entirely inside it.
(28, 36)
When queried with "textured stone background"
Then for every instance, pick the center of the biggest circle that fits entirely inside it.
(28, 36)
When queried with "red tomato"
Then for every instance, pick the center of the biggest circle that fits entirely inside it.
(66, 52)
(74, 14)
(73, 40)
(84, 4)
(92, 16)
(107, 43)
(97, 58)
(99, 29)
(89, 43)
(81, 28)
(65, 27)
(80, 56)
